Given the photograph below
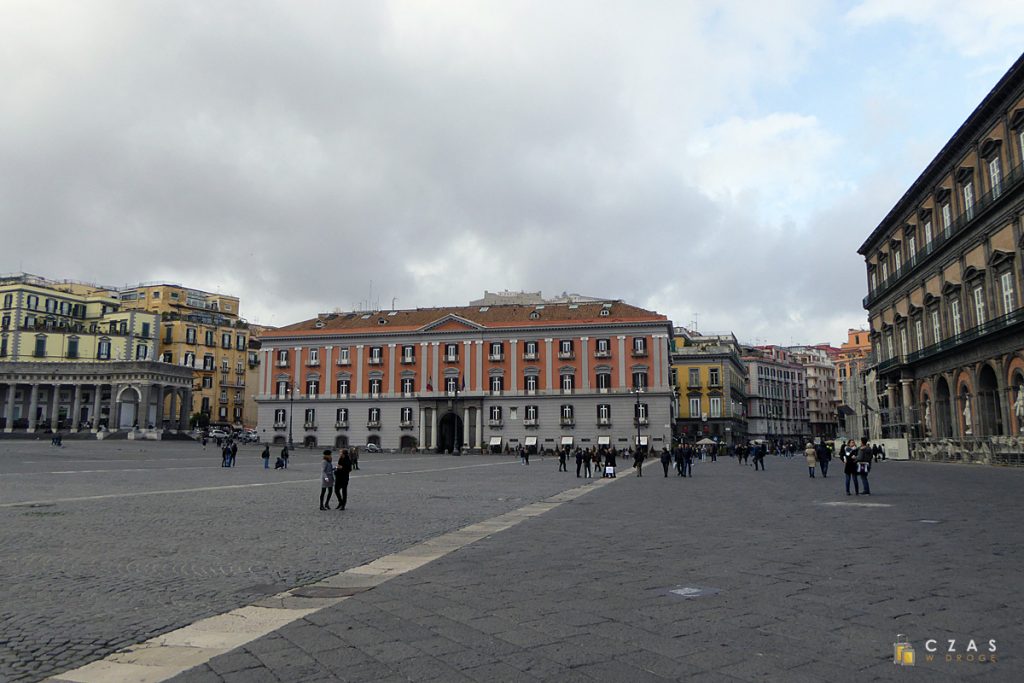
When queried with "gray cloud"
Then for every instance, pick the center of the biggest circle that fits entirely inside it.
(292, 154)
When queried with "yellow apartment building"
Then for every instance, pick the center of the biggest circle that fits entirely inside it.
(203, 331)
(710, 381)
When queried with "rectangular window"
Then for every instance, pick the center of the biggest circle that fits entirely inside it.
(911, 247)
(1006, 283)
(927, 234)
(694, 407)
(567, 414)
(903, 341)
(208, 382)
(408, 354)
(714, 377)
(375, 385)
(103, 350)
(889, 346)
(407, 415)
(343, 357)
(604, 414)
(639, 346)
(343, 387)
(885, 270)
(141, 352)
(408, 386)
(310, 416)
(40, 351)
(497, 384)
(451, 352)
(145, 330)
(225, 340)
(495, 414)
(919, 333)
(604, 380)
(936, 328)
(530, 382)
(954, 311)
(314, 356)
(530, 415)
(604, 348)
(874, 281)
(72, 348)
(341, 415)
(374, 416)
(280, 416)
(995, 177)
(209, 338)
(979, 305)
(376, 355)
(969, 200)
(565, 348)
(530, 350)
(947, 219)
(694, 380)
(240, 342)
(312, 388)
(640, 380)
(282, 358)
(496, 351)
(716, 407)
(190, 335)
(568, 383)
(897, 261)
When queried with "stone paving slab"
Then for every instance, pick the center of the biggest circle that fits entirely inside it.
(108, 544)
(811, 586)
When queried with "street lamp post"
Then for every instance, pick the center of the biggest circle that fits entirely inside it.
(291, 413)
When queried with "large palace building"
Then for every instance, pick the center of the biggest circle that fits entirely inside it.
(478, 377)
(944, 277)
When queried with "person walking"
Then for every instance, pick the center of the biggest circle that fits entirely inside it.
(563, 453)
(850, 467)
(326, 482)
(579, 461)
(266, 456)
(812, 458)
(864, 456)
(638, 461)
(824, 458)
(760, 451)
(354, 456)
(687, 460)
(587, 461)
(666, 459)
(285, 456)
(341, 474)
(233, 448)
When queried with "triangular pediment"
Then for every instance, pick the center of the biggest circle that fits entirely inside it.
(451, 323)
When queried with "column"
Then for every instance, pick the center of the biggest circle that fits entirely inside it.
(890, 392)
(142, 414)
(585, 353)
(297, 380)
(467, 352)
(621, 360)
(97, 393)
(33, 403)
(357, 390)
(438, 380)
(422, 426)
(907, 386)
(114, 418)
(11, 389)
(433, 424)
(175, 420)
(479, 430)
(55, 408)
(480, 382)
(666, 364)
(422, 360)
(513, 351)
(186, 409)
(391, 369)
(76, 407)
(158, 421)
(547, 365)
(466, 445)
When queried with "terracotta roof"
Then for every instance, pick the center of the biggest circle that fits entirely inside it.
(488, 317)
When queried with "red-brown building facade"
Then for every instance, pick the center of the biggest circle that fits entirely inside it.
(473, 377)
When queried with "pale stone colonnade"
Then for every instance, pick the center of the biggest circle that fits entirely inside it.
(118, 395)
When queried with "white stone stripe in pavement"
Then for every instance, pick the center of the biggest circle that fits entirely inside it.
(166, 656)
(135, 494)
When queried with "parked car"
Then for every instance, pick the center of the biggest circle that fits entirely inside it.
(218, 434)
(372, 448)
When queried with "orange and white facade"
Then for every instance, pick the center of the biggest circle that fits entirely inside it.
(475, 377)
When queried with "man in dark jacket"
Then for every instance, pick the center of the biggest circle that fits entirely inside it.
(341, 473)
(824, 457)
(666, 459)
(864, 457)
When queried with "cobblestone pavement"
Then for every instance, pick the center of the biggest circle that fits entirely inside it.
(105, 544)
(801, 583)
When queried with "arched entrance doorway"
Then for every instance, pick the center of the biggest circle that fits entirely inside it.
(407, 443)
(990, 414)
(279, 440)
(128, 408)
(449, 434)
(341, 441)
(943, 426)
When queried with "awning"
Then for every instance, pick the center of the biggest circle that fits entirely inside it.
(495, 441)
(566, 440)
(604, 440)
(641, 440)
(846, 410)
(530, 441)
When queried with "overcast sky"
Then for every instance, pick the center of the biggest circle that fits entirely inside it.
(712, 161)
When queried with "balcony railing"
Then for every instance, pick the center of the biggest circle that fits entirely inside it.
(642, 421)
(639, 353)
(341, 424)
(375, 360)
(344, 361)
(496, 357)
(604, 422)
(602, 353)
(530, 355)
(406, 424)
(408, 360)
(494, 423)
(373, 424)
(280, 425)
(566, 355)
(309, 425)
(945, 235)
(530, 422)
(567, 421)
(281, 363)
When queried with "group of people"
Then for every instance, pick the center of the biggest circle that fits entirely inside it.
(334, 478)
(604, 460)
(856, 462)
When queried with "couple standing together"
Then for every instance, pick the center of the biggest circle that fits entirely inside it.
(336, 479)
